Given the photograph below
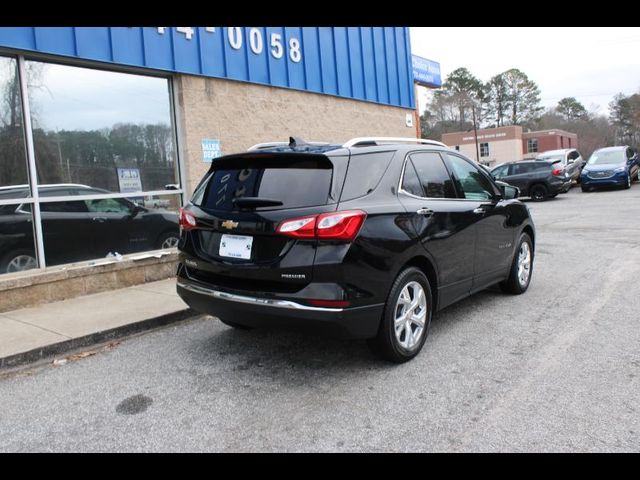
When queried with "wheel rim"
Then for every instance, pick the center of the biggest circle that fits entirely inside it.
(524, 264)
(628, 180)
(537, 194)
(20, 263)
(170, 242)
(410, 315)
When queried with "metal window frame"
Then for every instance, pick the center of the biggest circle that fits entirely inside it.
(487, 149)
(34, 198)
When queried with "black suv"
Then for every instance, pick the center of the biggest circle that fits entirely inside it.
(365, 240)
(537, 179)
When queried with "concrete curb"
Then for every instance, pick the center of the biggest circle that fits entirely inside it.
(54, 349)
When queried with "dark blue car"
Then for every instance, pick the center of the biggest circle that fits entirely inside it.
(610, 167)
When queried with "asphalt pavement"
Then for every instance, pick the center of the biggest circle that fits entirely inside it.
(556, 369)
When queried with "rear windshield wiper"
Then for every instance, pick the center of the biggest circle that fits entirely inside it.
(248, 202)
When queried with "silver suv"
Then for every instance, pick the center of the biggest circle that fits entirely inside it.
(572, 161)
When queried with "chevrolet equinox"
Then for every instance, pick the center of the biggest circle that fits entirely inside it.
(363, 240)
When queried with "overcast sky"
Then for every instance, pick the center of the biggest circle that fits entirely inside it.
(75, 98)
(591, 64)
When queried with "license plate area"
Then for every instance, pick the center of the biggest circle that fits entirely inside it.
(236, 246)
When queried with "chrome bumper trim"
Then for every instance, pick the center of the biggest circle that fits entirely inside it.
(253, 300)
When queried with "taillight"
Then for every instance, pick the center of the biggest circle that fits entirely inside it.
(187, 220)
(302, 227)
(556, 171)
(340, 225)
(327, 226)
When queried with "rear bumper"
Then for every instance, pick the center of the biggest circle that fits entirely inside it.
(559, 186)
(259, 311)
(566, 186)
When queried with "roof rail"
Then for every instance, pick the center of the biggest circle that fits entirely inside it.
(261, 146)
(366, 141)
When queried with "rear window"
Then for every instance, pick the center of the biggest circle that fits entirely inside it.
(520, 168)
(364, 174)
(295, 181)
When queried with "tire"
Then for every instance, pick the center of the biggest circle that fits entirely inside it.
(538, 193)
(514, 283)
(237, 326)
(167, 240)
(18, 261)
(397, 346)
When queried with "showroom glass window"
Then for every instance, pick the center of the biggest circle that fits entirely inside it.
(98, 134)
(101, 132)
(16, 223)
(87, 123)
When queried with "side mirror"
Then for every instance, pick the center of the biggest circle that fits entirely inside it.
(570, 161)
(509, 192)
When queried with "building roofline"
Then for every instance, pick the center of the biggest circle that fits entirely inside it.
(549, 130)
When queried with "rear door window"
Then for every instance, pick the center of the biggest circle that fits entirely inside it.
(296, 181)
(433, 175)
(520, 168)
(410, 181)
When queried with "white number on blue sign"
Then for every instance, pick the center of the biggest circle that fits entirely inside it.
(256, 42)
(276, 45)
(188, 31)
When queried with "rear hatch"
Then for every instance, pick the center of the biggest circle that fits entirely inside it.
(238, 207)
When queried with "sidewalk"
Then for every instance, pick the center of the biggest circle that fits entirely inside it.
(30, 334)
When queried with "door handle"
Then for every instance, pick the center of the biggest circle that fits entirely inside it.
(482, 208)
(424, 211)
(99, 219)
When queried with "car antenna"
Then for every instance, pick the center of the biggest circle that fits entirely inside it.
(295, 142)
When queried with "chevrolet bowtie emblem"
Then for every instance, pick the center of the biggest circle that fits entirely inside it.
(229, 224)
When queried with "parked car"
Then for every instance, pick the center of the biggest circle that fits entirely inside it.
(76, 230)
(572, 161)
(610, 166)
(537, 179)
(362, 240)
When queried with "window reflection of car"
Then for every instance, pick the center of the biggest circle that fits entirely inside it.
(76, 230)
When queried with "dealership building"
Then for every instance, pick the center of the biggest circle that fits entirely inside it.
(106, 131)
(492, 146)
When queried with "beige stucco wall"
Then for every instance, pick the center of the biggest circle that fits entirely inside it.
(242, 114)
(499, 151)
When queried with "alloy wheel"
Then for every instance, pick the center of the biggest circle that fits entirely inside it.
(524, 264)
(170, 242)
(410, 315)
(21, 263)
